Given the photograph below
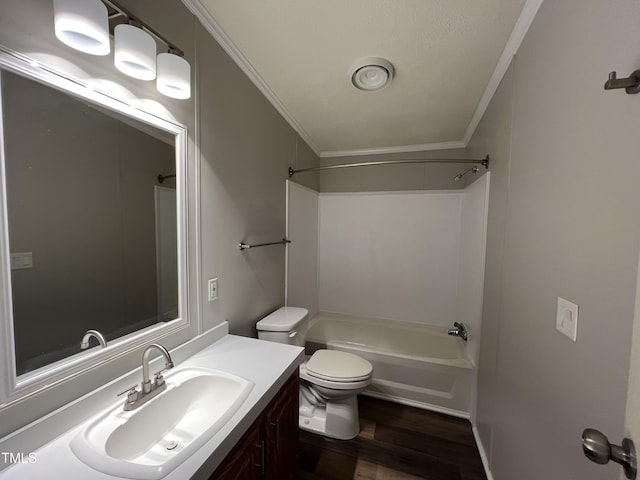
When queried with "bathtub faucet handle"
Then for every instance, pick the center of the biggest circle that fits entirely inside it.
(459, 331)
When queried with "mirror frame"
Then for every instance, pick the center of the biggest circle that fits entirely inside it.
(15, 388)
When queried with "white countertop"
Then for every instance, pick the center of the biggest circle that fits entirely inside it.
(266, 364)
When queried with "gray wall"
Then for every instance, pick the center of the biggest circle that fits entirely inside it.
(563, 221)
(239, 150)
(246, 149)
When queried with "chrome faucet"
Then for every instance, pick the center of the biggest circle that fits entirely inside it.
(149, 389)
(459, 331)
(147, 386)
(95, 334)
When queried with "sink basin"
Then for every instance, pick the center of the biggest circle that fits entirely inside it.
(150, 441)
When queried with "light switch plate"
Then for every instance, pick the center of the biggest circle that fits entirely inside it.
(21, 260)
(212, 289)
(567, 318)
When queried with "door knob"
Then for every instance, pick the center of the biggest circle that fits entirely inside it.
(597, 448)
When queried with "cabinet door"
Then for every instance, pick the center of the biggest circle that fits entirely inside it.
(281, 433)
(247, 460)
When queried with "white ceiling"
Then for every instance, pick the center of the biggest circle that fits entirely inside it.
(448, 55)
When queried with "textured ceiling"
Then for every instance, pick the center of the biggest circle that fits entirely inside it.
(445, 53)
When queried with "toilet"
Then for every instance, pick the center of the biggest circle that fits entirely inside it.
(330, 380)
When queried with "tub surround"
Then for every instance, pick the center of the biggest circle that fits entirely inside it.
(421, 269)
(48, 438)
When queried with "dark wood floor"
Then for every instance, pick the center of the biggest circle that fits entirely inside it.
(396, 442)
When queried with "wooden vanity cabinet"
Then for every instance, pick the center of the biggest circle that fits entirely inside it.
(269, 449)
(281, 433)
(245, 460)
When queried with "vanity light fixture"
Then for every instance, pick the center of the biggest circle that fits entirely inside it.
(371, 74)
(83, 25)
(174, 76)
(134, 52)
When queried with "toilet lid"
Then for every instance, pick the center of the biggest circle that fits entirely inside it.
(284, 319)
(338, 366)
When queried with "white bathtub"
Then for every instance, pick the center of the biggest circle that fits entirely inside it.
(412, 364)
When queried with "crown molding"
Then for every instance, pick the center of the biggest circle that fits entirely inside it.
(520, 29)
(210, 24)
(518, 33)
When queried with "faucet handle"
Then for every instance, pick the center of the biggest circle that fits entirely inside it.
(132, 393)
(457, 324)
(158, 378)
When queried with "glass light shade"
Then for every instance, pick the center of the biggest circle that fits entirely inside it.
(174, 76)
(83, 25)
(134, 52)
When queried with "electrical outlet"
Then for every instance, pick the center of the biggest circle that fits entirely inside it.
(567, 318)
(212, 289)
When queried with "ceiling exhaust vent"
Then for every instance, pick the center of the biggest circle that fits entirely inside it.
(372, 74)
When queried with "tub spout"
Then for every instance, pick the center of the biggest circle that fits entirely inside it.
(459, 330)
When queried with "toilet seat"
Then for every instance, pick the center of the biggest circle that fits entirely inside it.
(340, 367)
(332, 384)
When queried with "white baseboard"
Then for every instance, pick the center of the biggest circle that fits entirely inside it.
(414, 403)
(483, 453)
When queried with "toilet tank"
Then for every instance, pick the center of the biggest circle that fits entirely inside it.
(285, 325)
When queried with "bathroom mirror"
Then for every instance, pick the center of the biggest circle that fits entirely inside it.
(91, 221)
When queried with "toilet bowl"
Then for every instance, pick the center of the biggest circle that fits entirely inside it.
(329, 380)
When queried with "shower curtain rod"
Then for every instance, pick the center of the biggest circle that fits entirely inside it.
(484, 162)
